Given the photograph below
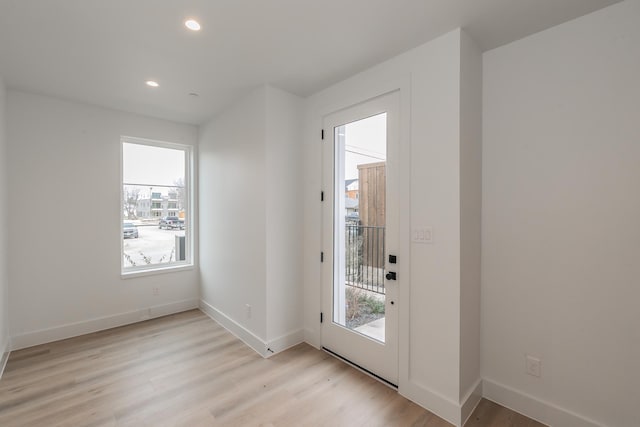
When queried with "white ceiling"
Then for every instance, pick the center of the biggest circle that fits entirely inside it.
(102, 51)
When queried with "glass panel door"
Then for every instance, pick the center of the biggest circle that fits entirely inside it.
(360, 232)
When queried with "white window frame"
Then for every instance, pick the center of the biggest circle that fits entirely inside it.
(188, 263)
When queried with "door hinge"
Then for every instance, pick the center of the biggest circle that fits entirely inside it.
(321, 317)
(322, 196)
(321, 256)
(322, 134)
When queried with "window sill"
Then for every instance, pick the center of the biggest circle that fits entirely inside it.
(155, 270)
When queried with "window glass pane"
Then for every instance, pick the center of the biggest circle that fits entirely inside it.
(146, 164)
(155, 207)
(360, 218)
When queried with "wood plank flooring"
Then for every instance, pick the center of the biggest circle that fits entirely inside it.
(186, 370)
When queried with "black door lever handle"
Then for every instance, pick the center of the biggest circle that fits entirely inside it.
(391, 275)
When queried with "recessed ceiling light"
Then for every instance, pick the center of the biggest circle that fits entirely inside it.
(192, 24)
(152, 83)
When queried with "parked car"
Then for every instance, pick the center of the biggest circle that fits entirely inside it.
(171, 222)
(129, 230)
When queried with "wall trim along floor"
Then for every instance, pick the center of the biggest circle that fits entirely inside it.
(5, 351)
(539, 410)
(263, 348)
(70, 330)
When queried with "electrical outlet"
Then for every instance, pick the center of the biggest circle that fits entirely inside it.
(156, 291)
(247, 310)
(533, 366)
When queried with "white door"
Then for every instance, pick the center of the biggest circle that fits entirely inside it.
(360, 235)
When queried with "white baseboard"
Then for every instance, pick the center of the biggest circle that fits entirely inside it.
(540, 410)
(432, 401)
(5, 351)
(263, 348)
(284, 342)
(245, 335)
(470, 401)
(447, 409)
(71, 330)
(312, 338)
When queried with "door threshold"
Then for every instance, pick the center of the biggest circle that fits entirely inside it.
(361, 369)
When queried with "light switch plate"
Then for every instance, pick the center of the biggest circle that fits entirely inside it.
(422, 235)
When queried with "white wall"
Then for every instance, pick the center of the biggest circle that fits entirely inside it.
(250, 230)
(64, 216)
(232, 211)
(561, 210)
(434, 288)
(284, 215)
(429, 80)
(4, 238)
(470, 215)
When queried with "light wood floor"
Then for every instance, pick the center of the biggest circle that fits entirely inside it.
(186, 370)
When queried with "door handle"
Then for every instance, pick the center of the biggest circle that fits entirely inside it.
(391, 275)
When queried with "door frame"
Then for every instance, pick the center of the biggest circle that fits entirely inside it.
(398, 289)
